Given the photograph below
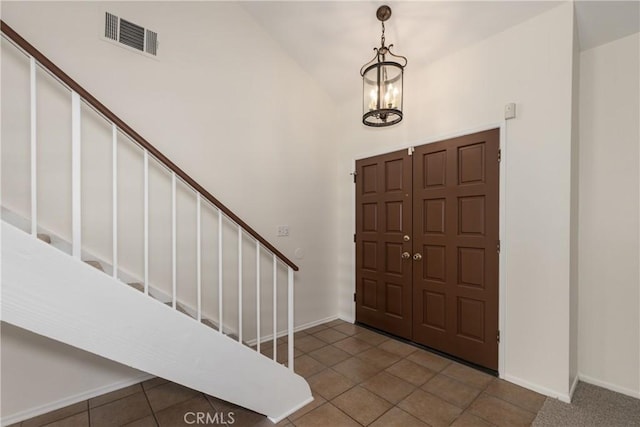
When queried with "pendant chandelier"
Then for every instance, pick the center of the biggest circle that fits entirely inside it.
(382, 82)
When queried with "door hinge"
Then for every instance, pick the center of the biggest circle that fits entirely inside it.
(410, 151)
(498, 246)
(354, 237)
(354, 297)
(355, 173)
(498, 335)
(499, 155)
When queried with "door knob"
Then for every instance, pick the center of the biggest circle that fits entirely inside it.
(406, 238)
(417, 257)
(406, 255)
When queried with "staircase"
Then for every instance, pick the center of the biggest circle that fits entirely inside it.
(55, 286)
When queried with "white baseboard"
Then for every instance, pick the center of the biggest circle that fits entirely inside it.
(609, 386)
(563, 397)
(347, 318)
(70, 400)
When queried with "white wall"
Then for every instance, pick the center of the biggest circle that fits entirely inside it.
(609, 337)
(529, 64)
(40, 374)
(224, 102)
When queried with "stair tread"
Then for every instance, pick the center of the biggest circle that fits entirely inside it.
(95, 264)
(137, 286)
(179, 307)
(44, 237)
(210, 323)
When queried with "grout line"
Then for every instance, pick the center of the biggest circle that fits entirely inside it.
(153, 413)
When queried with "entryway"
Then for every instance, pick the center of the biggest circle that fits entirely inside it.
(427, 245)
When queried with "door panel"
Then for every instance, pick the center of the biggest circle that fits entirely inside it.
(383, 217)
(455, 286)
(445, 199)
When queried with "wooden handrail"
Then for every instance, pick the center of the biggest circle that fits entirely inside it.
(73, 85)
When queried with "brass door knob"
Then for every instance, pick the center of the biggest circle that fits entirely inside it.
(406, 255)
(406, 238)
(417, 257)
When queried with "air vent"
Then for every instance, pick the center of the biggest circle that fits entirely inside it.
(129, 34)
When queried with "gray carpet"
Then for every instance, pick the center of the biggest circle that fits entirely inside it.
(591, 406)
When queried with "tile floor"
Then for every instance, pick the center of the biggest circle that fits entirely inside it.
(358, 378)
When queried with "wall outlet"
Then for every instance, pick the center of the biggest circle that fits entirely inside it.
(283, 230)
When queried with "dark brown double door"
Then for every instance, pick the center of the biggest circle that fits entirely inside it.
(427, 245)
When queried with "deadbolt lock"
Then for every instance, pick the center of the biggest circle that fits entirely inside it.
(406, 255)
(417, 257)
(406, 238)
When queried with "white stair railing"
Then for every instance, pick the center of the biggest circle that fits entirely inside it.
(80, 97)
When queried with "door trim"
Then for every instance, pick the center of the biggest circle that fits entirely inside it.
(502, 258)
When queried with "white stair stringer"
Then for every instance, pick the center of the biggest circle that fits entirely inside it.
(55, 295)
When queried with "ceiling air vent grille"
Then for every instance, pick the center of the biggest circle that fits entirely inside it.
(130, 34)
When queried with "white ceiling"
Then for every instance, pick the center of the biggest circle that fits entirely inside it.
(333, 39)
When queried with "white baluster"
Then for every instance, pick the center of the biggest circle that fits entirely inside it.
(290, 316)
(34, 153)
(220, 271)
(173, 240)
(114, 197)
(275, 307)
(239, 284)
(198, 258)
(258, 296)
(146, 222)
(76, 160)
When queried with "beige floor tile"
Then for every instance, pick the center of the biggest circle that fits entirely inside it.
(317, 401)
(467, 375)
(115, 395)
(500, 412)
(337, 322)
(519, 396)
(379, 358)
(330, 335)
(153, 382)
(371, 337)
(326, 415)
(411, 372)
(149, 421)
(315, 329)
(396, 417)
(329, 355)
(169, 394)
(451, 390)
(357, 370)
(467, 419)
(56, 415)
(349, 329)
(299, 334)
(389, 387)
(352, 345)
(361, 405)
(429, 408)
(308, 343)
(121, 411)
(329, 383)
(307, 366)
(397, 347)
(429, 360)
(184, 413)
(78, 420)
